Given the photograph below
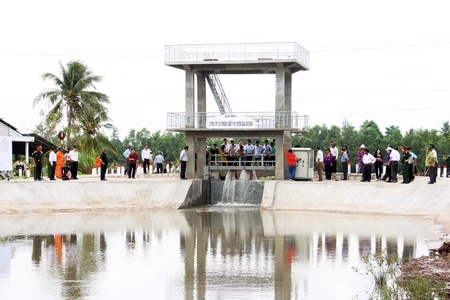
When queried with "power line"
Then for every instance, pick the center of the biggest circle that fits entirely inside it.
(381, 46)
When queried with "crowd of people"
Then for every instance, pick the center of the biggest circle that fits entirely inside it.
(132, 160)
(394, 161)
(63, 163)
(240, 154)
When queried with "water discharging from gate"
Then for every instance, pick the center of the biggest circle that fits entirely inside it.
(241, 190)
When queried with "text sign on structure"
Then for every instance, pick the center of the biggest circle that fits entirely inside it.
(231, 121)
(5, 153)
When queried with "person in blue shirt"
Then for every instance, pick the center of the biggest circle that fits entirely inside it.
(344, 162)
(412, 164)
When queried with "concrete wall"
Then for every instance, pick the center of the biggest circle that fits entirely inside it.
(21, 195)
(416, 198)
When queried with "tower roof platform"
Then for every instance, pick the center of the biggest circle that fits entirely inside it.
(238, 58)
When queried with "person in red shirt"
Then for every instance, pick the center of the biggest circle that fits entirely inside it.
(292, 162)
(133, 160)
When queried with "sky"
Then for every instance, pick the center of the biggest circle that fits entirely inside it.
(386, 61)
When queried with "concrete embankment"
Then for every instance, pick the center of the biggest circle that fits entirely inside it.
(154, 192)
(377, 197)
(92, 194)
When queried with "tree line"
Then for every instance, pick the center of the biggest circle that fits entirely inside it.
(373, 138)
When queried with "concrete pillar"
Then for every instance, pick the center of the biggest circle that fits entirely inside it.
(201, 156)
(190, 99)
(280, 96)
(280, 168)
(27, 152)
(190, 166)
(288, 98)
(201, 100)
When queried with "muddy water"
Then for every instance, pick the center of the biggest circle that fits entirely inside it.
(209, 253)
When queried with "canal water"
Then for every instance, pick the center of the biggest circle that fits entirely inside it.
(216, 252)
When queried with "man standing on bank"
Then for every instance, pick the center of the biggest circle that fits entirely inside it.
(133, 160)
(127, 153)
(159, 159)
(405, 165)
(393, 161)
(292, 162)
(319, 162)
(430, 162)
(146, 155)
(104, 165)
(37, 157)
(183, 161)
(335, 152)
(73, 157)
(344, 162)
(52, 161)
(367, 161)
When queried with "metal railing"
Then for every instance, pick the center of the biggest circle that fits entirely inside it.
(247, 161)
(242, 120)
(236, 52)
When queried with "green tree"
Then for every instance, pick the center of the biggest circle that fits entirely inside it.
(89, 135)
(445, 129)
(349, 138)
(371, 136)
(72, 96)
(393, 136)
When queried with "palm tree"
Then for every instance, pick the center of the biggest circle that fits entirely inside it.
(89, 134)
(72, 97)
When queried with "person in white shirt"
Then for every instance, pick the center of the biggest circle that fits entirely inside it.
(393, 162)
(335, 152)
(183, 162)
(73, 158)
(146, 155)
(159, 159)
(52, 161)
(319, 163)
(367, 160)
(127, 153)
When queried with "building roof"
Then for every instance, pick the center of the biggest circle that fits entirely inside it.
(19, 146)
(7, 124)
(38, 140)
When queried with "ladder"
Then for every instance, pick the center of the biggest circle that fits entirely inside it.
(219, 94)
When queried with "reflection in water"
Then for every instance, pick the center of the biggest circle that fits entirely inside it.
(210, 253)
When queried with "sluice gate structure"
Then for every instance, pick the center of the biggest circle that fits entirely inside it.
(204, 61)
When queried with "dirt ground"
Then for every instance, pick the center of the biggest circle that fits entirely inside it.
(435, 267)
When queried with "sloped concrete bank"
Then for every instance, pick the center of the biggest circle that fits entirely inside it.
(90, 194)
(415, 199)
